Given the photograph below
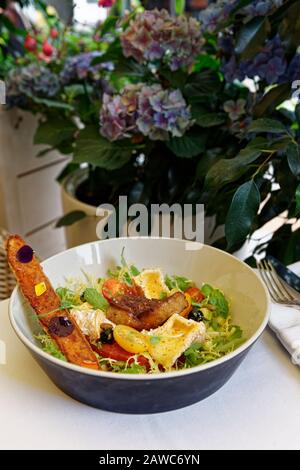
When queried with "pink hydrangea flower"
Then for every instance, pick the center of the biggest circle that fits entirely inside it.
(156, 36)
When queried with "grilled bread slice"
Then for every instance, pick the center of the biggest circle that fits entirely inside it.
(30, 277)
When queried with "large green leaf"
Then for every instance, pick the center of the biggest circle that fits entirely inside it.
(205, 118)
(293, 154)
(289, 28)
(241, 214)
(188, 146)
(52, 103)
(70, 218)
(251, 37)
(113, 52)
(272, 99)
(92, 148)
(267, 125)
(206, 82)
(109, 25)
(229, 170)
(54, 131)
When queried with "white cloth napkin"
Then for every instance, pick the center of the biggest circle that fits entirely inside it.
(285, 322)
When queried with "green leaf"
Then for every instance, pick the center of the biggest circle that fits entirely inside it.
(176, 79)
(272, 99)
(201, 84)
(179, 7)
(70, 218)
(92, 148)
(69, 168)
(267, 125)
(217, 298)
(241, 214)
(54, 131)
(94, 298)
(178, 282)
(297, 113)
(50, 346)
(113, 53)
(67, 296)
(52, 103)
(229, 170)
(251, 37)
(289, 29)
(298, 200)
(109, 25)
(207, 119)
(293, 154)
(189, 145)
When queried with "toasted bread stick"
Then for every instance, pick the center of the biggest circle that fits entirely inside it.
(73, 345)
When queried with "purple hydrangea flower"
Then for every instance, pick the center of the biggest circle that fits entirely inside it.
(262, 7)
(30, 81)
(154, 35)
(79, 67)
(269, 64)
(148, 110)
(218, 11)
(293, 72)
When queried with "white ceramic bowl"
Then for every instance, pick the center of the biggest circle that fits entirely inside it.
(144, 393)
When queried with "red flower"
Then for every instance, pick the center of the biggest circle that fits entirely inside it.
(30, 43)
(106, 3)
(48, 49)
(54, 33)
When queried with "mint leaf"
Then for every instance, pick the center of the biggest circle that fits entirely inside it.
(216, 297)
(94, 298)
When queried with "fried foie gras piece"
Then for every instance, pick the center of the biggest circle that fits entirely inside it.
(145, 314)
(39, 292)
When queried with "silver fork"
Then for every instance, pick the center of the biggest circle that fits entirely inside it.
(276, 287)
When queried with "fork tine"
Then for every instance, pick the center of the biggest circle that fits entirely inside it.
(266, 280)
(279, 284)
(280, 297)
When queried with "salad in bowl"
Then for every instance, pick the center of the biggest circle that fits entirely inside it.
(134, 320)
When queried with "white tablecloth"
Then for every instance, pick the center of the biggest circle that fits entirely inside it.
(258, 408)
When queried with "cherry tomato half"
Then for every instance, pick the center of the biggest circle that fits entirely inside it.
(112, 288)
(114, 351)
(195, 294)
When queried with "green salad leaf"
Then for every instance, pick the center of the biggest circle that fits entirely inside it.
(216, 298)
(49, 346)
(94, 298)
(68, 298)
(178, 282)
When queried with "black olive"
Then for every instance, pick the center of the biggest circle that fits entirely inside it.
(106, 336)
(196, 315)
(82, 297)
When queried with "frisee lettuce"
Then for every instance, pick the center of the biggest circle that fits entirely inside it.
(49, 346)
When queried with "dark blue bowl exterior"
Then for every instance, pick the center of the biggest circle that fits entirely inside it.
(141, 396)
